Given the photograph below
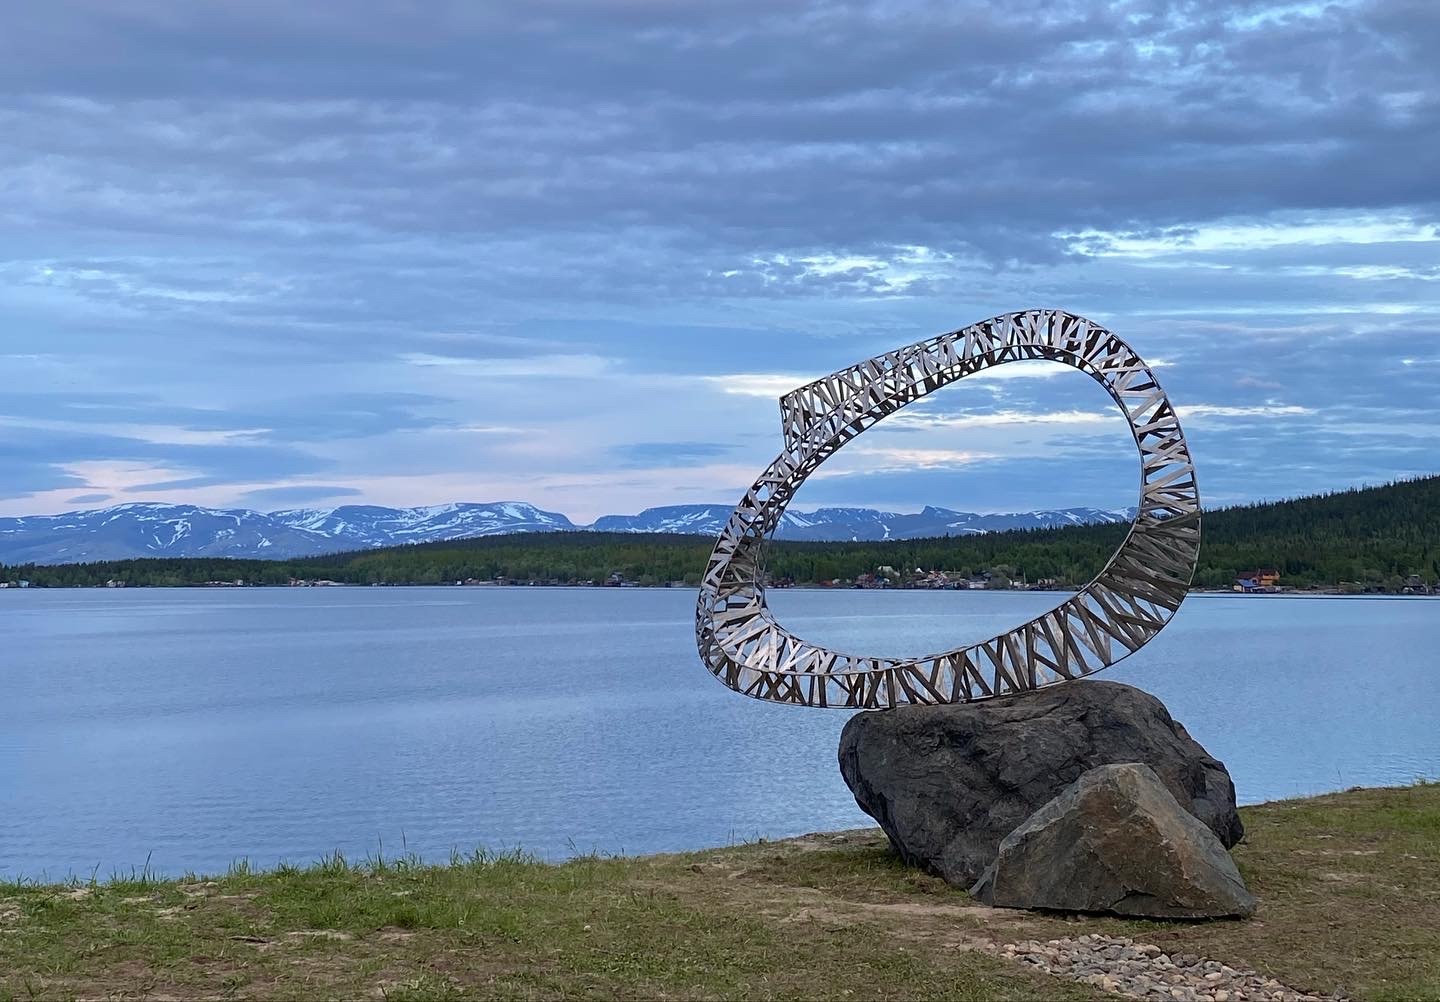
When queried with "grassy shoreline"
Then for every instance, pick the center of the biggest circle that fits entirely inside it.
(1349, 885)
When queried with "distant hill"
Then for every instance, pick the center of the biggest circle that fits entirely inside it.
(170, 530)
(1373, 538)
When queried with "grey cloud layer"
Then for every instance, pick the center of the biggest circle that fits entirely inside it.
(794, 126)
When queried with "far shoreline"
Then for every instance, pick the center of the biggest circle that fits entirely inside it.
(537, 586)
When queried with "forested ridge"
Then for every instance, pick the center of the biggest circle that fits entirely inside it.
(1371, 538)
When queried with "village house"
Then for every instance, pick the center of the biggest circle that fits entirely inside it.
(930, 579)
(1415, 585)
(1265, 579)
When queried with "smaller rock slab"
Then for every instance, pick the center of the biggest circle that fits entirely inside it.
(1116, 841)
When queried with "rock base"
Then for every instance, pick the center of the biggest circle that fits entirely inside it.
(948, 783)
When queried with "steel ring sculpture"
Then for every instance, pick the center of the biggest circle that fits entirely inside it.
(1126, 605)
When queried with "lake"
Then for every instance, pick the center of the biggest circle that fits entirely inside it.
(194, 728)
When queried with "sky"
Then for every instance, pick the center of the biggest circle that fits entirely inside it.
(278, 255)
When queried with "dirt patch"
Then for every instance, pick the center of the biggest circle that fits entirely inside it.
(925, 909)
(827, 918)
(830, 840)
(302, 934)
(803, 904)
(127, 979)
(394, 934)
(1335, 852)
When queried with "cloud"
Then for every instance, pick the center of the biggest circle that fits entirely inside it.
(540, 366)
(1248, 236)
(23, 477)
(1003, 418)
(36, 460)
(758, 384)
(296, 494)
(315, 415)
(1224, 411)
(996, 484)
(920, 459)
(647, 454)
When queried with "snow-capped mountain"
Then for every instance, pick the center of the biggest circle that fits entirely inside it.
(697, 519)
(149, 530)
(370, 525)
(858, 523)
(174, 530)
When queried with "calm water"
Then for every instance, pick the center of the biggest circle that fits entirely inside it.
(199, 727)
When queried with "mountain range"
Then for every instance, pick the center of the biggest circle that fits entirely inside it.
(177, 530)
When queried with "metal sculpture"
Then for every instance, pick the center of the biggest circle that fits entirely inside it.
(1125, 606)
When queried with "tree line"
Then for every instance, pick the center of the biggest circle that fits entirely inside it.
(1372, 538)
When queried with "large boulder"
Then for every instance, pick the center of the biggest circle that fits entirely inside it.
(947, 783)
(1116, 841)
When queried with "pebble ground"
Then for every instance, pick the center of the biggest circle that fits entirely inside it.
(1142, 971)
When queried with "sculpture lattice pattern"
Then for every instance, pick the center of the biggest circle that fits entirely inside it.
(1126, 605)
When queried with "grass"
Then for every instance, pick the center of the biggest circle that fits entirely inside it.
(1349, 887)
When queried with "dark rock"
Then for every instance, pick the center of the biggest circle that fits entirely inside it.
(1117, 841)
(947, 783)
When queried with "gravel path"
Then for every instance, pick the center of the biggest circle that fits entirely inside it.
(1141, 971)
